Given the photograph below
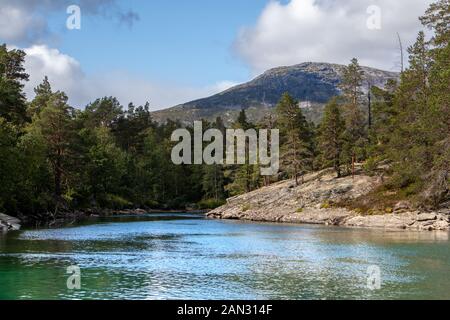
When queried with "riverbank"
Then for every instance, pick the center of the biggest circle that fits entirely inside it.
(48, 219)
(313, 203)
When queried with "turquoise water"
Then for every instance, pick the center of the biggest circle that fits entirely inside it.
(183, 256)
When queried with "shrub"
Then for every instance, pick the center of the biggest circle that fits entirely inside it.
(116, 202)
(370, 166)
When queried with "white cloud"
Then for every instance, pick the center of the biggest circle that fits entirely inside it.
(329, 31)
(66, 74)
(24, 22)
(16, 23)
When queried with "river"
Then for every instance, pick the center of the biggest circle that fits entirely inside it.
(184, 256)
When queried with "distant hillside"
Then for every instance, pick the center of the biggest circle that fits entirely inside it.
(311, 83)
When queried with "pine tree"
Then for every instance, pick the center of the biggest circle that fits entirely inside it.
(437, 119)
(12, 76)
(331, 136)
(103, 112)
(352, 81)
(268, 123)
(420, 142)
(55, 126)
(241, 176)
(105, 167)
(356, 133)
(213, 182)
(296, 138)
(410, 140)
(384, 115)
(43, 95)
(213, 179)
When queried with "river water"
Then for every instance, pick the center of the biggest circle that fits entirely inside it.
(184, 256)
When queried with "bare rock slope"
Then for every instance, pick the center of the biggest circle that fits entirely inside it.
(309, 203)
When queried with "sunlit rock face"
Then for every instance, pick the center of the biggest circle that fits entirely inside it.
(314, 202)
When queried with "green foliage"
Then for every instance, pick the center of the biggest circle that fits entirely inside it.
(12, 76)
(246, 177)
(213, 182)
(331, 139)
(297, 147)
(103, 112)
(112, 201)
(355, 135)
(207, 204)
(420, 141)
(370, 166)
(105, 165)
(53, 157)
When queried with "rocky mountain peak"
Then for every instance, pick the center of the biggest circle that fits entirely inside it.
(310, 82)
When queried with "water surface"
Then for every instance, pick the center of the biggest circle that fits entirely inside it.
(183, 256)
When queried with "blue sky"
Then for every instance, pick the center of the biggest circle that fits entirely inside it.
(171, 52)
(187, 41)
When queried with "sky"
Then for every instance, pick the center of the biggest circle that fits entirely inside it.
(171, 52)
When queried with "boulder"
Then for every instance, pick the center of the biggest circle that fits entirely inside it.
(402, 206)
(441, 225)
(8, 223)
(426, 217)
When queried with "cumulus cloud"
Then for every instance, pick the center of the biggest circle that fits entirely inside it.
(329, 31)
(65, 73)
(24, 22)
(17, 24)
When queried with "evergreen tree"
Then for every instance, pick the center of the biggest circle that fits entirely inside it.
(384, 115)
(105, 168)
(296, 138)
(54, 125)
(12, 75)
(352, 81)
(268, 123)
(437, 119)
(420, 144)
(213, 182)
(131, 127)
(241, 176)
(331, 137)
(356, 133)
(213, 178)
(103, 112)
(43, 94)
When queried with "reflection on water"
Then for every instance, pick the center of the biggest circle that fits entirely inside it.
(171, 256)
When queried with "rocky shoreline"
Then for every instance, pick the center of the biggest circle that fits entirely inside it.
(309, 203)
(8, 223)
(341, 217)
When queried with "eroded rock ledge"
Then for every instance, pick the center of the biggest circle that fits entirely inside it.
(308, 204)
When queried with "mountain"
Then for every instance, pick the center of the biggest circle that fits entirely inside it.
(313, 84)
